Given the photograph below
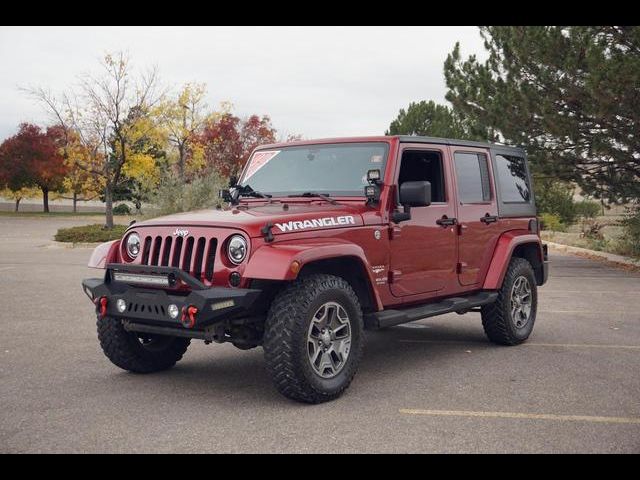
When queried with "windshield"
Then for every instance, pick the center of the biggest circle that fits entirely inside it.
(334, 169)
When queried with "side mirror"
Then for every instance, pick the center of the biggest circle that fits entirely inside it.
(412, 194)
(233, 180)
(415, 194)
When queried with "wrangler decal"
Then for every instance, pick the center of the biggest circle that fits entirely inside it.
(316, 223)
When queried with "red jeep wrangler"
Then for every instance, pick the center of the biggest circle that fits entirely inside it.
(320, 241)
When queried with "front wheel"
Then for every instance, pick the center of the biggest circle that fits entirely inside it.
(313, 338)
(139, 353)
(509, 320)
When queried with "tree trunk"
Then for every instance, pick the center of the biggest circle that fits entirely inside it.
(75, 202)
(18, 203)
(181, 155)
(108, 199)
(45, 199)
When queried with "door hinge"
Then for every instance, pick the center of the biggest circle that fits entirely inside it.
(394, 232)
(394, 275)
(459, 268)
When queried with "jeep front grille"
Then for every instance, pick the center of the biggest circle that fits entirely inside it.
(194, 255)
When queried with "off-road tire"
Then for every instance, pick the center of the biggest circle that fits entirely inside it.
(497, 321)
(285, 338)
(125, 350)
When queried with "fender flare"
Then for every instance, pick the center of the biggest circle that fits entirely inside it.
(505, 246)
(104, 254)
(273, 261)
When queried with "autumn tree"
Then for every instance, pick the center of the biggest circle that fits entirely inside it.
(228, 141)
(79, 182)
(110, 114)
(32, 158)
(569, 94)
(183, 118)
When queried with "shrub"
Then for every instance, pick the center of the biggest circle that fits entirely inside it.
(90, 234)
(122, 209)
(556, 197)
(587, 209)
(549, 221)
(629, 243)
(173, 195)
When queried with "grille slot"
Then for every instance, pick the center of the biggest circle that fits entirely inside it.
(188, 253)
(155, 253)
(194, 255)
(177, 250)
(211, 256)
(145, 251)
(166, 251)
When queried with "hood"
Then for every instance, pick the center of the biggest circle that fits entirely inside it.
(294, 218)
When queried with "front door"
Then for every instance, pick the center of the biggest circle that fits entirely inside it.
(477, 213)
(423, 252)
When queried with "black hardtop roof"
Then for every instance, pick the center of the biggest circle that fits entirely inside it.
(458, 143)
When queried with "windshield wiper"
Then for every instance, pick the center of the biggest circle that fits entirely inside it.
(316, 194)
(247, 191)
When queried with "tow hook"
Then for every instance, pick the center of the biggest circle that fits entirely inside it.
(189, 316)
(101, 306)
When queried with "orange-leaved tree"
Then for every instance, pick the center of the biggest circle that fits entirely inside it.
(33, 158)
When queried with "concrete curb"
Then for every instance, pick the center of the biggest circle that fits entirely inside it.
(609, 257)
(55, 244)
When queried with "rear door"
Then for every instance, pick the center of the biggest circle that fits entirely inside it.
(477, 213)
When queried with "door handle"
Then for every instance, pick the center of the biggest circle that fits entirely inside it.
(446, 221)
(489, 219)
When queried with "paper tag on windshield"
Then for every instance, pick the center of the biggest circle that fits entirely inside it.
(259, 160)
(376, 158)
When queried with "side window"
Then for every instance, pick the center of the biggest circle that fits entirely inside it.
(472, 172)
(419, 165)
(512, 178)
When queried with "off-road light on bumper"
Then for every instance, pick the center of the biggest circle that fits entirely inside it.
(121, 305)
(224, 304)
(173, 310)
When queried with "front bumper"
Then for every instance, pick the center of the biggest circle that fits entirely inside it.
(151, 305)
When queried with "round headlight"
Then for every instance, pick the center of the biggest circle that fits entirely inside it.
(237, 249)
(133, 245)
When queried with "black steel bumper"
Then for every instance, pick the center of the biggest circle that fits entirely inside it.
(151, 305)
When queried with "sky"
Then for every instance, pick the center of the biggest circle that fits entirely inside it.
(314, 81)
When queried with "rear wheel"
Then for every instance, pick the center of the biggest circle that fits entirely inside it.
(314, 338)
(510, 320)
(139, 353)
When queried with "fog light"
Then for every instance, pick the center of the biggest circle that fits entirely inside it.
(173, 310)
(121, 305)
(234, 279)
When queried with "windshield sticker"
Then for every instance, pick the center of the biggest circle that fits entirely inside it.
(316, 223)
(376, 158)
(259, 160)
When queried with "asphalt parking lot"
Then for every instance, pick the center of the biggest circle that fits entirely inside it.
(432, 386)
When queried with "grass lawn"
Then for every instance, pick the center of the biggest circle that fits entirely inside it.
(90, 234)
(50, 214)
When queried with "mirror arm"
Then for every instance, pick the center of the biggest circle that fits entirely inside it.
(403, 216)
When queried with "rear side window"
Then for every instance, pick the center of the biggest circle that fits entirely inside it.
(513, 180)
(472, 173)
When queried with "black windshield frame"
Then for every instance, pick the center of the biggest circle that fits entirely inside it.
(300, 189)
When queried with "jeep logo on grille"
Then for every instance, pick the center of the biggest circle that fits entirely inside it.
(180, 232)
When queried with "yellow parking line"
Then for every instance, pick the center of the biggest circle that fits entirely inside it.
(590, 312)
(528, 344)
(527, 416)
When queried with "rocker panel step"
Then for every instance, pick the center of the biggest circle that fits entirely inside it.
(389, 318)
